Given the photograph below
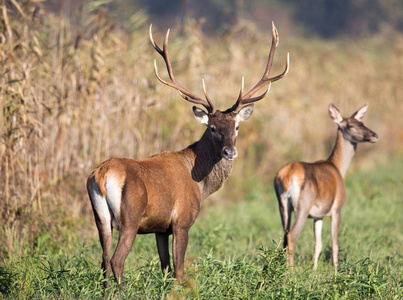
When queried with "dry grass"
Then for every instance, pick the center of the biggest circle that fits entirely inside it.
(73, 95)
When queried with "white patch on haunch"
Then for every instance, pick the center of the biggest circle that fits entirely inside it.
(114, 197)
(293, 191)
(100, 205)
(290, 196)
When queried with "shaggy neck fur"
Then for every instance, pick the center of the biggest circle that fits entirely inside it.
(208, 168)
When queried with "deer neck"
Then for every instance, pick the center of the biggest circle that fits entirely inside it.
(343, 153)
(208, 169)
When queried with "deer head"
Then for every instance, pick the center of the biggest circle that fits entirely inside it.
(352, 128)
(221, 125)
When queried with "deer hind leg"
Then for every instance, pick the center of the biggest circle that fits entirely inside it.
(134, 197)
(127, 235)
(105, 237)
(335, 224)
(290, 200)
(300, 219)
(163, 250)
(317, 230)
(103, 221)
(284, 207)
(285, 212)
(303, 198)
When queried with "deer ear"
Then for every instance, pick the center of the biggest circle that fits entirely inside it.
(359, 114)
(200, 115)
(245, 112)
(335, 114)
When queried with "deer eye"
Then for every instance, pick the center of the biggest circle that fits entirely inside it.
(237, 128)
(213, 130)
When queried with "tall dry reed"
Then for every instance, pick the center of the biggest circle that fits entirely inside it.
(76, 93)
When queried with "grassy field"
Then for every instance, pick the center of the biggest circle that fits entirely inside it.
(73, 94)
(234, 253)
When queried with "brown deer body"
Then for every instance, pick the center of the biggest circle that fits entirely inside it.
(163, 194)
(317, 190)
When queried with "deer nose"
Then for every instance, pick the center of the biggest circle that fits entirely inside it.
(373, 138)
(229, 153)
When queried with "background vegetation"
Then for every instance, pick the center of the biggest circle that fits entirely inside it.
(77, 87)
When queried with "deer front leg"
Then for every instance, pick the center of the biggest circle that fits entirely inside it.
(335, 224)
(163, 250)
(317, 230)
(180, 242)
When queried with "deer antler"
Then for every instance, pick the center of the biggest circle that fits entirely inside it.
(173, 83)
(247, 98)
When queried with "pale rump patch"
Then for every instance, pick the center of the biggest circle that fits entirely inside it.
(100, 205)
(289, 194)
(114, 197)
(293, 190)
(282, 192)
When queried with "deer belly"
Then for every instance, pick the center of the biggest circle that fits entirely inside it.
(154, 224)
(320, 208)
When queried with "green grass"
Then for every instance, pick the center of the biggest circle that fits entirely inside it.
(68, 106)
(234, 252)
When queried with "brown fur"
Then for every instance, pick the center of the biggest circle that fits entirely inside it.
(316, 190)
(161, 194)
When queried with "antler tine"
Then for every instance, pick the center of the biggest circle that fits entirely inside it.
(238, 101)
(265, 79)
(247, 98)
(207, 97)
(158, 49)
(241, 101)
(286, 69)
(254, 99)
(173, 83)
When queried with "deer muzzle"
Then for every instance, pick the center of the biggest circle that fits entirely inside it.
(229, 152)
(373, 138)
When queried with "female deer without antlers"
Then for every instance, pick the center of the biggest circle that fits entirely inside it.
(163, 194)
(316, 190)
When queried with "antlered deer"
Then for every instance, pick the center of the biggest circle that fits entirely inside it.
(163, 194)
(316, 190)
